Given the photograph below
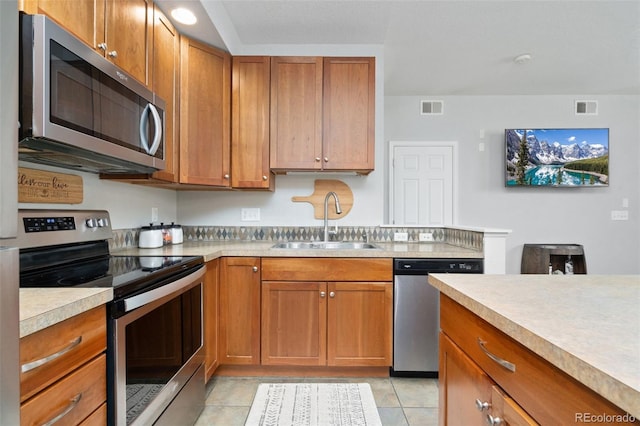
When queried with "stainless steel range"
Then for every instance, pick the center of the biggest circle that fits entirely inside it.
(155, 371)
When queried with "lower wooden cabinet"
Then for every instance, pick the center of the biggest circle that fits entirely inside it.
(294, 323)
(63, 372)
(464, 388)
(326, 323)
(486, 376)
(239, 327)
(210, 313)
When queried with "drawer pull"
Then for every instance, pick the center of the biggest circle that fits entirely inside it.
(37, 363)
(72, 404)
(481, 406)
(506, 364)
(494, 421)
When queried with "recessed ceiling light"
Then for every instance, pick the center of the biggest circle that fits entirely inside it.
(184, 16)
(521, 59)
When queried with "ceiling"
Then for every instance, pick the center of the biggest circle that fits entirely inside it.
(447, 47)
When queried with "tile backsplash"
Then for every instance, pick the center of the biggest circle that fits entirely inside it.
(126, 238)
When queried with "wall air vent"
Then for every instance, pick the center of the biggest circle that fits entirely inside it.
(431, 107)
(586, 108)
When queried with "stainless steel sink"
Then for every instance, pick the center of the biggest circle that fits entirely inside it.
(325, 245)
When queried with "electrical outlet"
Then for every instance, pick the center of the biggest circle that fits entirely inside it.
(425, 236)
(154, 214)
(401, 236)
(619, 214)
(250, 215)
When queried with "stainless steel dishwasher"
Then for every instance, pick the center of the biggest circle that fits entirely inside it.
(416, 313)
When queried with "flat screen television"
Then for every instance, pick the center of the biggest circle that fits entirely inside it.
(557, 157)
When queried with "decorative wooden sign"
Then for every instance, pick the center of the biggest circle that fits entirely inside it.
(39, 186)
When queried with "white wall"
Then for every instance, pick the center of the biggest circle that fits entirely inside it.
(129, 205)
(536, 215)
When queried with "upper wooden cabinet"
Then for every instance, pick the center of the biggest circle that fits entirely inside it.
(165, 74)
(119, 30)
(296, 113)
(205, 90)
(348, 132)
(250, 123)
(322, 114)
(127, 31)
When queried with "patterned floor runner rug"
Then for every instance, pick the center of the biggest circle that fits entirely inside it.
(313, 404)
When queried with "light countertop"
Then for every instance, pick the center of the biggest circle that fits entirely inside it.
(213, 249)
(43, 307)
(586, 325)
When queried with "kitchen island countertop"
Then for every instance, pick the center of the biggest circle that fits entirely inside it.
(586, 325)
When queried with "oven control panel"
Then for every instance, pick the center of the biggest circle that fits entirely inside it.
(41, 224)
(53, 227)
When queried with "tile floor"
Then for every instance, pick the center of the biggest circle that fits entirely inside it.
(400, 401)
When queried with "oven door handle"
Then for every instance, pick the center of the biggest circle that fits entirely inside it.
(134, 302)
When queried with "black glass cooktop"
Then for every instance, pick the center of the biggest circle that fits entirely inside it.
(127, 275)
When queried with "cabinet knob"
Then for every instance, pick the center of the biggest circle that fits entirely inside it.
(326, 159)
(113, 54)
(226, 176)
(264, 177)
(481, 406)
(255, 269)
(494, 421)
(317, 159)
(332, 294)
(323, 294)
(102, 46)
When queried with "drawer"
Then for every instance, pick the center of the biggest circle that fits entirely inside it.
(326, 269)
(72, 399)
(546, 393)
(97, 418)
(55, 351)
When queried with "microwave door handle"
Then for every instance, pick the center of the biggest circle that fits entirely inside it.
(143, 127)
(158, 126)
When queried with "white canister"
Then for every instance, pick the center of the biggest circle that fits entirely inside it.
(177, 236)
(150, 236)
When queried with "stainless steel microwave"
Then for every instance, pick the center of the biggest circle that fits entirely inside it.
(80, 111)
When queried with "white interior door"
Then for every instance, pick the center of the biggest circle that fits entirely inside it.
(422, 183)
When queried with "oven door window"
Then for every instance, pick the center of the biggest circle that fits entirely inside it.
(158, 344)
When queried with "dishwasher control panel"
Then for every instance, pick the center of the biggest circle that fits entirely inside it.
(427, 266)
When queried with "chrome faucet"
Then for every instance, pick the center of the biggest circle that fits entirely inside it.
(326, 214)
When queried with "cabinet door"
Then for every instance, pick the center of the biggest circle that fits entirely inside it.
(349, 114)
(239, 328)
(359, 324)
(82, 18)
(296, 113)
(205, 86)
(294, 323)
(210, 314)
(462, 383)
(250, 123)
(165, 63)
(127, 29)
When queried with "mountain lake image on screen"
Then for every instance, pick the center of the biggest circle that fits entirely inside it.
(557, 157)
